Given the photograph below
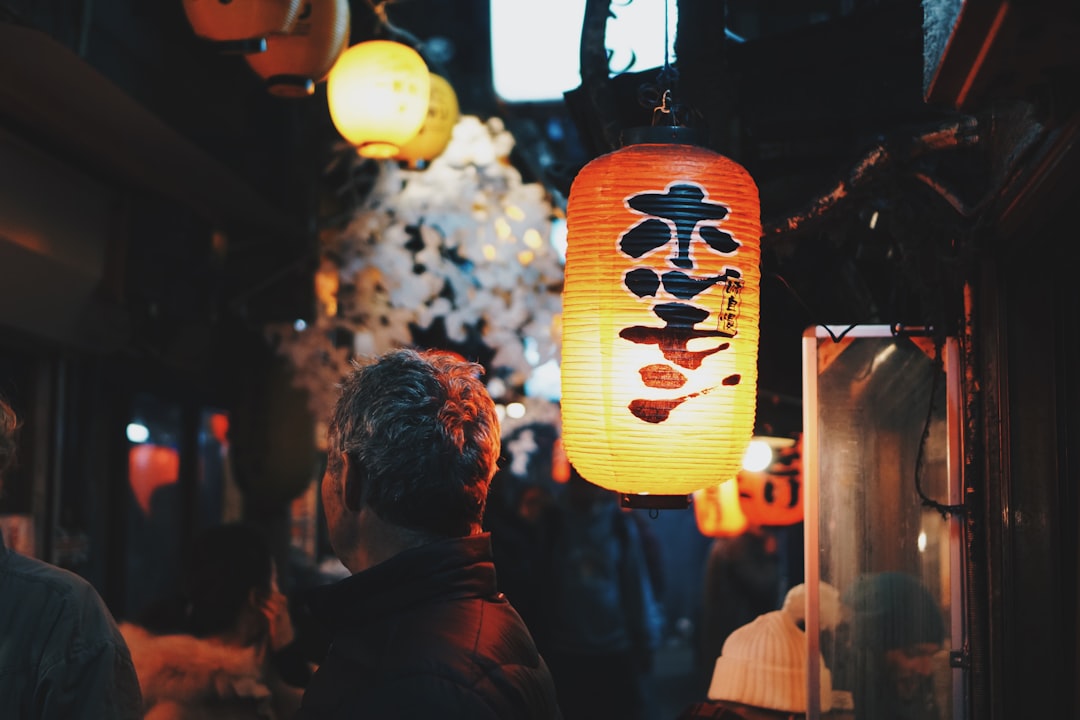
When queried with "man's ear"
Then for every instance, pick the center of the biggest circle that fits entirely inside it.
(354, 479)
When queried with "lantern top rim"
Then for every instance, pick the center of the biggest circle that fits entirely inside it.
(666, 134)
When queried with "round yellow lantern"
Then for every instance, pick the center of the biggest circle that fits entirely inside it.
(378, 92)
(225, 21)
(660, 317)
(295, 61)
(438, 127)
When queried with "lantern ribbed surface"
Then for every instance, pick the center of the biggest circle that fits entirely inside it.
(241, 20)
(294, 62)
(660, 319)
(378, 93)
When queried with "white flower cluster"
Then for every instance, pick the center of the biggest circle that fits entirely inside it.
(464, 240)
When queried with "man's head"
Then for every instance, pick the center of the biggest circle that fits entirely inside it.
(9, 424)
(414, 438)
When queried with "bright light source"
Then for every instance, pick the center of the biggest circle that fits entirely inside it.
(300, 325)
(545, 381)
(536, 47)
(922, 541)
(873, 220)
(758, 456)
(496, 387)
(515, 410)
(137, 433)
(558, 237)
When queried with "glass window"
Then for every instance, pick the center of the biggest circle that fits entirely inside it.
(882, 468)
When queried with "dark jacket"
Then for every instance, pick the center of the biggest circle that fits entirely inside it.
(61, 654)
(427, 635)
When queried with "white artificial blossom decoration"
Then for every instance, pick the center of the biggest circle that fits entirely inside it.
(464, 240)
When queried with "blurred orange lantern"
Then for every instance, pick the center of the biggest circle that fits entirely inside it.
(660, 317)
(774, 496)
(438, 127)
(219, 428)
(295, 61)
(717, 510)
(225, 21)
(151, 467)
(378, 92)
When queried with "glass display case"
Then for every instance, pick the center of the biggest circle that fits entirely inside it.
(884, 557)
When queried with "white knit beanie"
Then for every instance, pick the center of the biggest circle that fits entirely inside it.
(763, 664)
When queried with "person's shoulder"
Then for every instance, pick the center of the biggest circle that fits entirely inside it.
(57, 593)
(37, 578)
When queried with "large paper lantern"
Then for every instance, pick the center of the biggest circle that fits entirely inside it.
(378, 93)
(660, 317)
(226, 21)
(295, 61)
(434, 135)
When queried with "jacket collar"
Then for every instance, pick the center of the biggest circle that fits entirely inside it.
(452, 568)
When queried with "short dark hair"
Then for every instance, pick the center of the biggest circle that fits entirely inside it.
(9, 427)
(225, 563)
(422, 438)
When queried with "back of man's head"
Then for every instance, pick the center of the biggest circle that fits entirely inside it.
(422, 438)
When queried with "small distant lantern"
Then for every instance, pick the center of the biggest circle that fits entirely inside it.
(294, 62)
(378, 93)
(241, 21)
(660, 317)
(774, 496)
(717, 510)
(438, 127)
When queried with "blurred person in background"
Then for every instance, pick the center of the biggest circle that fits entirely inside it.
(897, 633)
(761, 672)
(61, 654)
(603, 623)
(215, 649)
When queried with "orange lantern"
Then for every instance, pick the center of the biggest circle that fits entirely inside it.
(717, 510)
(774, 496)
(660, 317)
(438, 127)
(151, 467)
(378, 92)
(295, 61)
(223, 21)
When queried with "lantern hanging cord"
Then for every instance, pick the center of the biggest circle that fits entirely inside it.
(810, 313)
(392, 30)
(660, 96)
(945, 510)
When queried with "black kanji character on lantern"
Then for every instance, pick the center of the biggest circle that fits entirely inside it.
(684, 207)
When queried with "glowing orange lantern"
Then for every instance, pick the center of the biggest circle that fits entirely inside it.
(438, 127)
(295, 61)
(219, 428)
(717, 510)
(660, 317)
(151, 467)
(222, 21)
(378, 92)
(774, 496)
